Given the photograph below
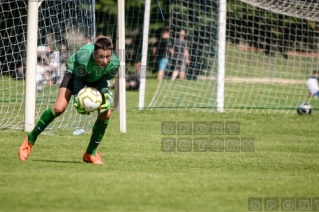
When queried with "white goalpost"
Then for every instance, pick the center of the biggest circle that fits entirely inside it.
(144, 54)
(30, 91)
(221, 46)
(122, 53)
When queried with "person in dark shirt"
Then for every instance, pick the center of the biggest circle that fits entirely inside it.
(160, 53)
(180, 56)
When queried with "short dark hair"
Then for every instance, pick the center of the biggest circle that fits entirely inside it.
(165, 29)
(315, 72)
(103, 43)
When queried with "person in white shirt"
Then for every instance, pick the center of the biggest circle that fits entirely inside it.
(42, 73)
(43, 50)
(52, 58)
(312, 84)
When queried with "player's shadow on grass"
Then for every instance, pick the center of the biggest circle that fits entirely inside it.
(59, 161)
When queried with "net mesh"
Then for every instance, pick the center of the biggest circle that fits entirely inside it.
(63, 27)
(271, 51)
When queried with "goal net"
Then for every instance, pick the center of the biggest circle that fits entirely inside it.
(271, 50)
(63, 27)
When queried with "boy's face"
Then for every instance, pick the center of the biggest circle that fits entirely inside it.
(102, 57)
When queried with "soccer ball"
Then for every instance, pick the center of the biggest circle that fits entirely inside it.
(90, 99)
(304, 109)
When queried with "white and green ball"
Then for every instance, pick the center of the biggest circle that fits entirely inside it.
(90, 99)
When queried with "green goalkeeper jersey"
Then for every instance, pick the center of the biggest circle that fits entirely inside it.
(81, 64)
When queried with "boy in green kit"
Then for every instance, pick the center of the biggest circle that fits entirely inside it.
(91, 66)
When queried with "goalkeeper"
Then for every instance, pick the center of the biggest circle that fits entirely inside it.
(91, 66)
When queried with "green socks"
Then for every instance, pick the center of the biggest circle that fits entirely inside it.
(97, 135)
(47, 117)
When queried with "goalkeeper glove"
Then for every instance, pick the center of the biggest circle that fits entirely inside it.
(76, 104)
(108, 96)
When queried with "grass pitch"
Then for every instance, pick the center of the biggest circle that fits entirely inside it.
(139, 176)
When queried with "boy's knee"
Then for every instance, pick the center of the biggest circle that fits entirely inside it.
(106, 115)
(59, 109)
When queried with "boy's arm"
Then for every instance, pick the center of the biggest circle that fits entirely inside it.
(77, 83)
(103, 87)
(154, 50)
(77, 86)
(102, 84)
(77, 72)
(186, 54)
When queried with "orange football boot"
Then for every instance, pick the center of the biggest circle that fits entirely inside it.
(25, 149)
(93, 159)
